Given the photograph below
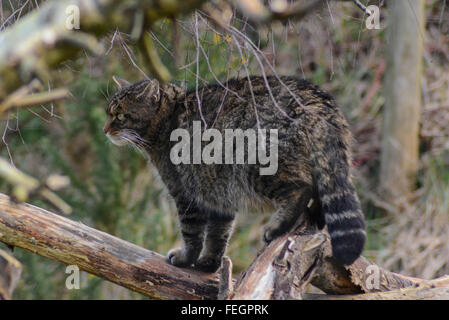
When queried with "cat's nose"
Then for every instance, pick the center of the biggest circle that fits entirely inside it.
(106, 128)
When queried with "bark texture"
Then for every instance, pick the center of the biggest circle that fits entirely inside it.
(108, 257)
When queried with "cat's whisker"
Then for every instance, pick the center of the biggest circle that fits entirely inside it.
(133, 144)
(135, 140)
(138, 139)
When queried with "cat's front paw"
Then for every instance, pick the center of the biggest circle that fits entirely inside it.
(208, 264)
(179, 258)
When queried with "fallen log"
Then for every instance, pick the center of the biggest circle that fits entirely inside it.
(437, 289)
(108, 257)
(284, 269)
(287, 266)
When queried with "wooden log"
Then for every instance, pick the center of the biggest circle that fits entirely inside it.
(10, 270)
(108, 257)
(437, 289)
(285, 268)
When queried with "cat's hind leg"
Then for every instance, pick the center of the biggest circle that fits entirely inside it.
(292, 201)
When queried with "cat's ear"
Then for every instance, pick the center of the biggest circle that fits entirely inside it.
(152, 90)
(121, 83)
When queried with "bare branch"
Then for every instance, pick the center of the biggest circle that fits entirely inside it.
(21, 98)
(73, 243)
(44, 33)
(361, 6)
(152, 58)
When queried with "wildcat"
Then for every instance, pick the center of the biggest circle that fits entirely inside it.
(313, 160)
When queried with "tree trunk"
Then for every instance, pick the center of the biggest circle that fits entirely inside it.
(401, 114)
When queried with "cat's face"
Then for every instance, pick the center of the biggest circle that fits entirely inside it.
(130, 112)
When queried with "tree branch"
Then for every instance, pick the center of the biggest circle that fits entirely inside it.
(73, 243)
(282, 270)
(285, 268)
(46, 41)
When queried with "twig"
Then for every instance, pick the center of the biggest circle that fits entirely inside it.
(152, 58)
(29, 100)
(361, 6)
(197, 73)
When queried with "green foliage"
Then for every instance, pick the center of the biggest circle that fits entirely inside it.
(111, 189)
(217, 60)
(115, 190)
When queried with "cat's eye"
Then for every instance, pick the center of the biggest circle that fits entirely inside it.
(121, 117)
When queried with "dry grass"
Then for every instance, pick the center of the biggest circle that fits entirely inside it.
(411, 237)
(418, 235)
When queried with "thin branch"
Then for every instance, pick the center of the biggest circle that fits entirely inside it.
(361, 6)
(152, 58)
(197, 73)
(29, 100)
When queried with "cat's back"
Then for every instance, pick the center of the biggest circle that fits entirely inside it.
(270, 101)
(287, 104)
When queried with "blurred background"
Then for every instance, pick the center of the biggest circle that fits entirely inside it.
(117, 191)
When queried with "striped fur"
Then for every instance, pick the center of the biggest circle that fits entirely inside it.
(339, 202)
(313, 175)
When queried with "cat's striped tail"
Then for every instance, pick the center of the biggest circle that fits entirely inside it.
(339, 202)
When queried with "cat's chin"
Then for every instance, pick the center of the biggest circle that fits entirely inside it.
(117, 140)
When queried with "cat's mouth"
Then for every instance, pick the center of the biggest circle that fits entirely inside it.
(127, 136)
(117, 139)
